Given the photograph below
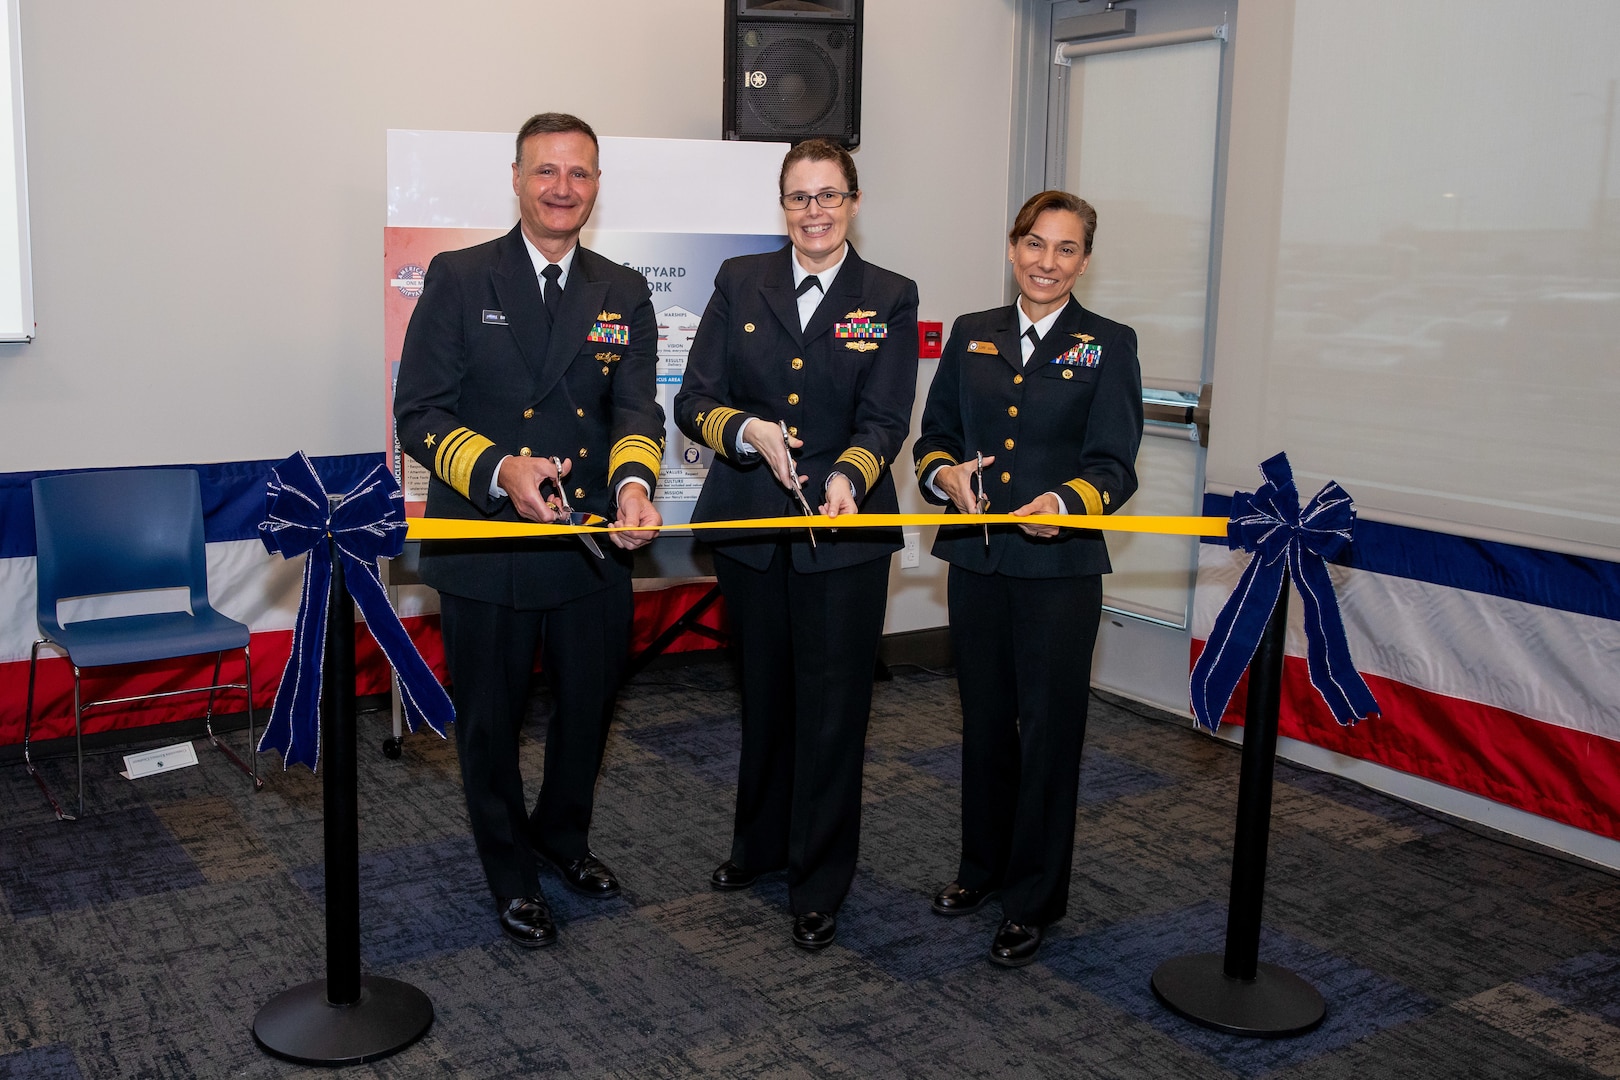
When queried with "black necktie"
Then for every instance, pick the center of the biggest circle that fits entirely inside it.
(1034, 342)
(553, 291)
(810, 281)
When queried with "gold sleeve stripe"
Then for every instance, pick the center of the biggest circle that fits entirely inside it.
(865, 461)
(714, 429)
(635, 448)
(929, 460)
(457, 455)
(1088, 495)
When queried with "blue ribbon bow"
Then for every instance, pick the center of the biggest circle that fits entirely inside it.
(367, 523)
(1270, 523)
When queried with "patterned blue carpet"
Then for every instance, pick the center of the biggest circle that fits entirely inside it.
(141, 941)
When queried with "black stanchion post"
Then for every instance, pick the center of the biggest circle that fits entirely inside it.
(1252, 836)
(1234, 992)
(340, 796)
(345, 1018)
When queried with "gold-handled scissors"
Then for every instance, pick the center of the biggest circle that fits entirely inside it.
(569, 516)
(978, 484)
(793, 472)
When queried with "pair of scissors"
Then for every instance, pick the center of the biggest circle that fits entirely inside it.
(569, 516)
(793, 471)
(978, 484)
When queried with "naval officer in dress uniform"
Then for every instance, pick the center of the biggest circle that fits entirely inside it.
(1050, 395)
(801, 378)
(528, 380)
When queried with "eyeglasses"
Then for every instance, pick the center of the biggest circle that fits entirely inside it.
(827, 200)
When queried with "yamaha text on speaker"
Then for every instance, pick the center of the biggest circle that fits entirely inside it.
(793, 70)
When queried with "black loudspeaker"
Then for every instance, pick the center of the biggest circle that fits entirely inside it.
(793, 70)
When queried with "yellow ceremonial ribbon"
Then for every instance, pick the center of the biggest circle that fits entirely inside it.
(462, 529)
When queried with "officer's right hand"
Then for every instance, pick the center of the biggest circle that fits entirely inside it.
(766, 437)
(521, 477)
(956, 481)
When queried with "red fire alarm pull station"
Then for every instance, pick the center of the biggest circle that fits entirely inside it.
(930, 340)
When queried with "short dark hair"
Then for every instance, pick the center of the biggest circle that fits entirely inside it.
(1053, 200)
(819, 150)
(553, 123)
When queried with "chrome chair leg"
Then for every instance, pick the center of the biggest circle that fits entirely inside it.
(78, 736)
(253, 743)
(28, 728)
(208, 725)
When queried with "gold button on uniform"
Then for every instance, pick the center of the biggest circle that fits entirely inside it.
(748, 328)
(528, 414)
(584, 452)
(1012, 410)
(793, 431)
(797, 363)
(524, 452)
(793, 399)
(1008, 444)
(1006, 477)
(1068, 374)
(579, 412)
(1017, 379)
(579, 493)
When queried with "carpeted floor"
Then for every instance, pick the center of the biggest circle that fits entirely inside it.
(141, 941)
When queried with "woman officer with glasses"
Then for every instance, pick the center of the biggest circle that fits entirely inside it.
(1036, 409)
(801, 379)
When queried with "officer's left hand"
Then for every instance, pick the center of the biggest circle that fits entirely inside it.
(840, 497)
(635, 509)
(1044, 504)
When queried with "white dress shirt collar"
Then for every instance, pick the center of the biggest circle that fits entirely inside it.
(1042, 328)
(540, 261)
(810, 299)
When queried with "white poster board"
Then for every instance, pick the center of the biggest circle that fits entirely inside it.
(16, 274)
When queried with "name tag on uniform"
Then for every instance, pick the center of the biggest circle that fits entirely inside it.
(988, 348)
(495, 318)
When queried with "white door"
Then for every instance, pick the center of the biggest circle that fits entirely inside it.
(1134, 132)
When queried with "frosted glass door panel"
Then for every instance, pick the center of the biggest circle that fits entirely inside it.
(1141, 149)
(1153, 575)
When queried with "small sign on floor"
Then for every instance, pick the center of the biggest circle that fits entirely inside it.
(163, 759)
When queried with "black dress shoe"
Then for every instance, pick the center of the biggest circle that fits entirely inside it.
(814, 930)
(1015, 944)
(527, 921)
(728, 876)
(956, 899)
(588, 876)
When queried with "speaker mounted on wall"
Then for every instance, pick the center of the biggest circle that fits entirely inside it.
(793, 70)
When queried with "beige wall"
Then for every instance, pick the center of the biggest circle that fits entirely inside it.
(206, 185)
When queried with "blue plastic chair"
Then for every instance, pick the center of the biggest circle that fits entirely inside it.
(129, 530)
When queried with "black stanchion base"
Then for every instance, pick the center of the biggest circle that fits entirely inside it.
(301, 1025)
(1277, 1005)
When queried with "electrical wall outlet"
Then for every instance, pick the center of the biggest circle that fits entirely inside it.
(911, 554)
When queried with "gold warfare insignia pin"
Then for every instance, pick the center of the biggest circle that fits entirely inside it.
(861, 346)
(859, 314)
(1085, 338)
(609, 316)
(607, 357)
